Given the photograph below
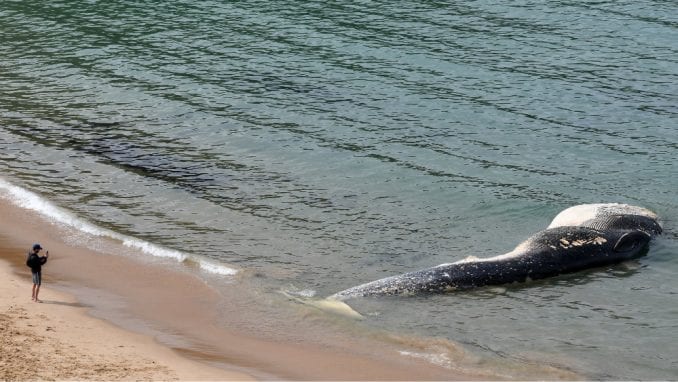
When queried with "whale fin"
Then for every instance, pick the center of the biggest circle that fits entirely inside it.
(329, 305)
(337, 307)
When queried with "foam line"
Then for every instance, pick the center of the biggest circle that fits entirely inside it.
(32, 201)
(216, 268)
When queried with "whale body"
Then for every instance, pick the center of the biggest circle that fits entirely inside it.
(580, 237)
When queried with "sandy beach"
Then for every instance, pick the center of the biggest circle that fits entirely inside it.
(114, 318)
(57, 340)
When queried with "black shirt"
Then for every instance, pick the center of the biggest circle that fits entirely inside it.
(35, 262)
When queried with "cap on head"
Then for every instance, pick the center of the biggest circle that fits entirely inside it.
(36, 246)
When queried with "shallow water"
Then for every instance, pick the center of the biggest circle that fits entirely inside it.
(315, 146)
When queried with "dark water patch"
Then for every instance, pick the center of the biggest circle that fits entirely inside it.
(208, 176)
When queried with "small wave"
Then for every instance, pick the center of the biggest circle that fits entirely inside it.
(217, 269)
(32, 201)
(453, 356)
(150, 248)
(438, 359)
(305, 293)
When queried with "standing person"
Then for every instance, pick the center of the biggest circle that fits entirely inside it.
(35, 262)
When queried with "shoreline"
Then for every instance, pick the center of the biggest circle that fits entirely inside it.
(179, 312)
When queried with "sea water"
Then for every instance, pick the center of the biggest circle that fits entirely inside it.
(312, 146)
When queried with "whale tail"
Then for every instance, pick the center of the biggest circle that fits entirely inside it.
(329, 305)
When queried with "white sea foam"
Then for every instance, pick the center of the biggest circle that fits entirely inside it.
(34, 202)
(439, 359)
(307, 293)
(153, 249)
(217, 269)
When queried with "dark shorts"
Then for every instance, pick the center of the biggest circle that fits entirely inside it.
(37, 278)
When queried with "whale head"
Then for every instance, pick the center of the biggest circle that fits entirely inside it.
(572, 248)
(609, 216)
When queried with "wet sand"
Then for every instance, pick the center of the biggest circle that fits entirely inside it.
(161, 307)
(55, 339)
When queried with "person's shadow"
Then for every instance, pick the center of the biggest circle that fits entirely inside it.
(72, 304)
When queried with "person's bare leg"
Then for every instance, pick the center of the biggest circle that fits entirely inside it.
(37, 290)
(33, 295)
